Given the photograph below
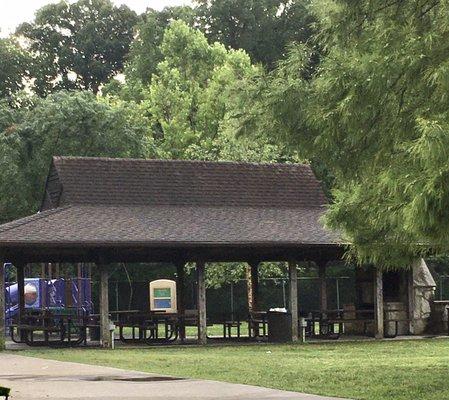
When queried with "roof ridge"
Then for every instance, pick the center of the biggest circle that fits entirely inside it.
(183, 161)
(239, 207)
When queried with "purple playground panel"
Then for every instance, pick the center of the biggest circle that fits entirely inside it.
(50, 294)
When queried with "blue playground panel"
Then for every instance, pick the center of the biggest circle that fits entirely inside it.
(49, 294)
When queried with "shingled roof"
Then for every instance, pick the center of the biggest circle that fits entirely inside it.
(163, 203)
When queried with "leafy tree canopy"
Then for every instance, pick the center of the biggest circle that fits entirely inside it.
(78, 45)
(377, 117)
(145, 53)
(13, 68)
(193, 99)
(62, 124)
(262, 28)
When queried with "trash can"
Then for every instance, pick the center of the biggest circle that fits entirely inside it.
(279, 327)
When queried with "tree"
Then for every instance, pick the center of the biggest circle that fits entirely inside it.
(145, 53)
(13, 68)
(377, 115)
(78, 45)
(62, 124)
(262, 28)
(192, 100)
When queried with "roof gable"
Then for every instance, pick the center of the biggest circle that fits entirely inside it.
(106, 181)
(53, 190)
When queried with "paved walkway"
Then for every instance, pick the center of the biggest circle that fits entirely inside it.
(35, 378)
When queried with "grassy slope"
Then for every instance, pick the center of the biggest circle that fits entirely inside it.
(395, 370)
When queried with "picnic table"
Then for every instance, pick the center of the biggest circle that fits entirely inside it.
(145, 326)
(47, 328)
(329, 320)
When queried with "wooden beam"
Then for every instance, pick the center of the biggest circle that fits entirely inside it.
(105, 335)
(293, 280)
(323, 286)
(2, 306)
(201, 285)
(180, 296)
(378, 304)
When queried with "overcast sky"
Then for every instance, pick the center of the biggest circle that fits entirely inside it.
(14, 12)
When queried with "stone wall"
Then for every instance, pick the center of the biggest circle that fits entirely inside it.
(395, 310)
(422, 293)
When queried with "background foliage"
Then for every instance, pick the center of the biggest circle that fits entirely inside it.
(357, 89)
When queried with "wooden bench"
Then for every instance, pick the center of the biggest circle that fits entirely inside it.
(257, 321)
(227, 328)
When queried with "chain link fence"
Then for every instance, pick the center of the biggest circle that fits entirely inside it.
(231, 299)
(442, 289)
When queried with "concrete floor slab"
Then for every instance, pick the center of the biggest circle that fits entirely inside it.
(38, 379)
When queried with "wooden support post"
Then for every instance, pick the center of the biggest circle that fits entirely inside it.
(180, 296)
(21, 294)
(411, 300)
(378, 305)
(105, 335)
(323, 286)
(252, 282)
(293, 279)
(79, 275)
(2, 306)
(201, 302)
(252, 287)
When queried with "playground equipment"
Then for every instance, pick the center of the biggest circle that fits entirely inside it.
(50, 294)
(47, 302)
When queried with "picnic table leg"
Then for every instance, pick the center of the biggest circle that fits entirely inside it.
(46, 338)
(69, 333)
(85, 335)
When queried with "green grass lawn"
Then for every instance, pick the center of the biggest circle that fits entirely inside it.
(394, 370)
